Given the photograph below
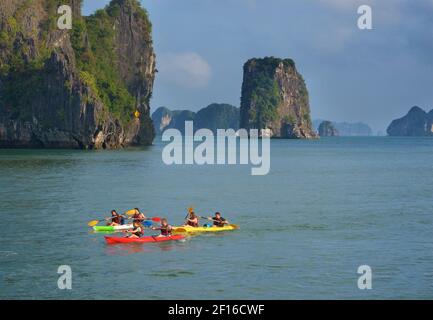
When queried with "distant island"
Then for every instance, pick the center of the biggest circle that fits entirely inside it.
(327, 129)
(346, 129)
(214, 116)
(275, 99)
(416, 123)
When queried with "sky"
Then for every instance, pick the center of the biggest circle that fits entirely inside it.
(373, 76)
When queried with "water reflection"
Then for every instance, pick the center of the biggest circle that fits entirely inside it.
(122, 249)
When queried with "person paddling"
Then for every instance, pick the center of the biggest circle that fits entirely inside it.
(192, 220)
(116, 219)
(218, 221)
(138, 216)
(165, 228)
(137, 230)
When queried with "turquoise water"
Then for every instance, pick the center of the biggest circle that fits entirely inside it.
(325, 208)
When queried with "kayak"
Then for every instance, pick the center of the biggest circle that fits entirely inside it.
(188, 229)
(113, 228)
(114, 240)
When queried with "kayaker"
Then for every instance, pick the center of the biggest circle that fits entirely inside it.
(192, 220)
(218, 221)
(138, 216)
(165, 228)
(137, 230)
(116, 219)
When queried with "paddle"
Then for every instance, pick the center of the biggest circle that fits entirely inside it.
(190, 209)
(154, 219)
(235, 226)
(209, 218)
(133, 212)
(129, 213)
(146, 224)
(95, 222)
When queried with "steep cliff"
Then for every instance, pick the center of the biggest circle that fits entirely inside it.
(88, 87)
(327, 129)
(214, 116)
(415, 123)
(275, 97)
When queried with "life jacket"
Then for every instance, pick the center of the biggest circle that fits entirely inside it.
(140, 233)
(193, 224)
(117, 219)
(137, 217)
(218, 222)
(166, 231)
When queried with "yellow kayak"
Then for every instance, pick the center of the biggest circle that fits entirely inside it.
(188, 229)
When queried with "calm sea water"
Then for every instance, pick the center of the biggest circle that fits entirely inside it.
(325, 208)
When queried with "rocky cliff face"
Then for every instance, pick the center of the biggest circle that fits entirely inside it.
(416, 122)
(83, 88)
(327, 129)
(214, 116)
(275, 97)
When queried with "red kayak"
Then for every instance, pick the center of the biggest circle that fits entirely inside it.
(114, 240)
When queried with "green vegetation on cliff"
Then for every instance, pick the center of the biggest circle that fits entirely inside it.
(275, 97)
(93, 41)
(96, 57)
(21, 73)
(265, 92)
(95, 63)
(23, 67)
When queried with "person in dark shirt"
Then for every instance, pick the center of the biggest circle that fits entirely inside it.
(218, 221)
(116, 219)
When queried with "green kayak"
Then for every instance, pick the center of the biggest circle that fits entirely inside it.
(112, 228)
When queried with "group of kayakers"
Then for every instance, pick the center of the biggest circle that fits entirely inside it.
(138, 218)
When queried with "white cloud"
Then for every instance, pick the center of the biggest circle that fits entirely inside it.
(187, 69)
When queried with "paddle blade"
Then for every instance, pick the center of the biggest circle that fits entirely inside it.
(180, 230)
(156, 219)
(235, 226)
(93, 223)
(147, 223)
(131, 212)
(190, 209)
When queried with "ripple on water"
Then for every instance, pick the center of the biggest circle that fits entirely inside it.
(8, 253)
(171, 273)
(309, 226)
